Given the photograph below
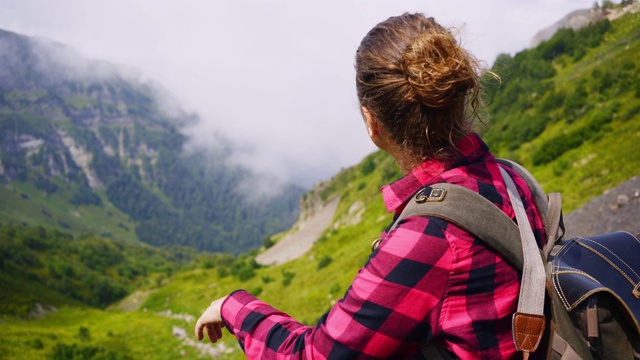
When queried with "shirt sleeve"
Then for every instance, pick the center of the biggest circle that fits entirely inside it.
(391, 306)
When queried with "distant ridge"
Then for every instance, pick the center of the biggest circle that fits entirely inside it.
(575, 20)
(580, 18)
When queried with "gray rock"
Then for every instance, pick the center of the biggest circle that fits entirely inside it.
(616, 209)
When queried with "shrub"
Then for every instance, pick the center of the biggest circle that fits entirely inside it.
(560, 167)
(106, 291)
(222, 272)
(84, 334)
(267, 242)
(367, 166)
(74, 351)
(245, 273)
(256, 291)
(324, 262)
(36, 344)
(633, 111)
(287, 277)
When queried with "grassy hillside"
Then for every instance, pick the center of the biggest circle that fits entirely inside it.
(50, 267)
(569, 113)
(22, 202)
(569, 110)
(75, 333)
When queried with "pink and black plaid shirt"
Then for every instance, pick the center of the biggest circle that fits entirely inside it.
(428, 281)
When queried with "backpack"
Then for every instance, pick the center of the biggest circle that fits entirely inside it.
(581, 296)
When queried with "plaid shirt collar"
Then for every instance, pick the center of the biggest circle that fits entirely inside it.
(396, 194)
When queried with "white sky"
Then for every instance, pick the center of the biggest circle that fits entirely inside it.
(277, 76)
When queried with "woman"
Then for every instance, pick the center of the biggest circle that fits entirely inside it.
(428, 281)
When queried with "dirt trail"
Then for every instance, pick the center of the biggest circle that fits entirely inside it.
(133, 301)
(298, 243)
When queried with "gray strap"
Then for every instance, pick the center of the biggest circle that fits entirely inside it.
(555, 229)
(529, 320)
(478, 216)
(539, 195)
(562, 348)
(532, 287)
(549, 207)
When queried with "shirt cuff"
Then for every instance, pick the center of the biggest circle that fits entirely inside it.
(241, 312)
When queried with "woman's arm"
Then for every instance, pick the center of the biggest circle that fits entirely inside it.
(387, 310)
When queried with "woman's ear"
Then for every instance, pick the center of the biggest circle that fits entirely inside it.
(370, 122)
(376, 130)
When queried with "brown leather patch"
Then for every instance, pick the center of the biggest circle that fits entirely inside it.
(592, 322)
(527, 331)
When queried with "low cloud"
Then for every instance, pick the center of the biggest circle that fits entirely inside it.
(276, 78)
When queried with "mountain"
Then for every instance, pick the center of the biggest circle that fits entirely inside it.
(87, 146)
(568, 110)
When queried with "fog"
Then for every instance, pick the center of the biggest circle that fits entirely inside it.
(276, 77)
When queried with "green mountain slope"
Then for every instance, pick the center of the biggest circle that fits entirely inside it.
(88, 147)
(569, 110)
(577, 131)
(51, 267)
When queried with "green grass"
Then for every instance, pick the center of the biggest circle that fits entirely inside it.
(20, 301)
(140, 335)
(22, 203)
(586, 172)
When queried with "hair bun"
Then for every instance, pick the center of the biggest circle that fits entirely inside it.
(438, 69)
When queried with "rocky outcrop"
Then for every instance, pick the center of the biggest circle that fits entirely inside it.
(310, 226)
(82, 159)
(621, 11)
(580, 18)
(574, 20)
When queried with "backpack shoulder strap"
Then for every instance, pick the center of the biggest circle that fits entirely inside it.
(470, 211)
(479, 216)
(549, 206)
(539, 195)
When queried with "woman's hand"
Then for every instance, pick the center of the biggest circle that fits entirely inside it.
(211, 321)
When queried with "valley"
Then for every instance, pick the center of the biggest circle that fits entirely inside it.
(113, 251)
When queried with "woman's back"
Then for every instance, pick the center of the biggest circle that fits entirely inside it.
(428, 280)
